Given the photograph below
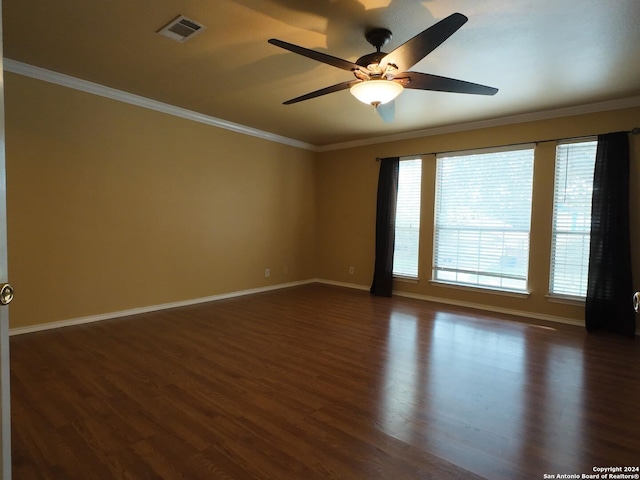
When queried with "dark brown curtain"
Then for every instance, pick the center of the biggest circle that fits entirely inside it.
(385, 227)
(609, 286)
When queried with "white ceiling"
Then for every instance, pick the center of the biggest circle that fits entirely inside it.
(542, 55)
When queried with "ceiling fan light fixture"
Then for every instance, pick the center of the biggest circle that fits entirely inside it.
(376, 92)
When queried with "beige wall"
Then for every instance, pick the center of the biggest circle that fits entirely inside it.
(346, 189)
(113, 207)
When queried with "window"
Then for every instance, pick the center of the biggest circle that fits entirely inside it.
(483, 217)
(575, 163)
(405, 253)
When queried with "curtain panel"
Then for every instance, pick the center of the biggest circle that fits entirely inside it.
(609, 286)
(385, 226)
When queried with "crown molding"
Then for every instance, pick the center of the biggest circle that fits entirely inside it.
(495, 122)
(50, 76)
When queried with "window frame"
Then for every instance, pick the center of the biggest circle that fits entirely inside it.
(478, 286)
(557, 296)
(418, 209)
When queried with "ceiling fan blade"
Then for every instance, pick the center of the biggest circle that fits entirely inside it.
(320, 57)
(425, 81)
(412, 51)
(387, 111)
(323, 91)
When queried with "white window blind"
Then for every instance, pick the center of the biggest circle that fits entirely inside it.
(405, 253)
(573, 190)
(483, 217)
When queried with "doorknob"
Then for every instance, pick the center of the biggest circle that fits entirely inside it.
(6, 294)
(636, 301)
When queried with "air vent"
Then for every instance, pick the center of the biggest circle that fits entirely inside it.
(181, 29)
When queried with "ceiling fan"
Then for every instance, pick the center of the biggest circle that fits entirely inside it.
(380, 77)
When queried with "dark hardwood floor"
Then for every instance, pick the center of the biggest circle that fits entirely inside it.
(321, 382)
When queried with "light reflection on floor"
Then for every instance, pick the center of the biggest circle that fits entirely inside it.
(463, 386)
(402, 380)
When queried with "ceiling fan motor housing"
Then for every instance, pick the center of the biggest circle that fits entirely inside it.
(370, 59)
(378, 37)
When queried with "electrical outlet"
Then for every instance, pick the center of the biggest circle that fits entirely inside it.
(267, 272)
(351, 270)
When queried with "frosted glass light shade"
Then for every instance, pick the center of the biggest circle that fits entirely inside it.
(376, 92)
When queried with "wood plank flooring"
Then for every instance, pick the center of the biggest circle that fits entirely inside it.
(321, 382)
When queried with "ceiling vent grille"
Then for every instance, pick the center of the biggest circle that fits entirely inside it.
(181, 29)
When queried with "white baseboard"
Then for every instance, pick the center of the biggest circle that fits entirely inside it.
(151, 308)
(489, 308)
(458, 303)
(213, 298)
